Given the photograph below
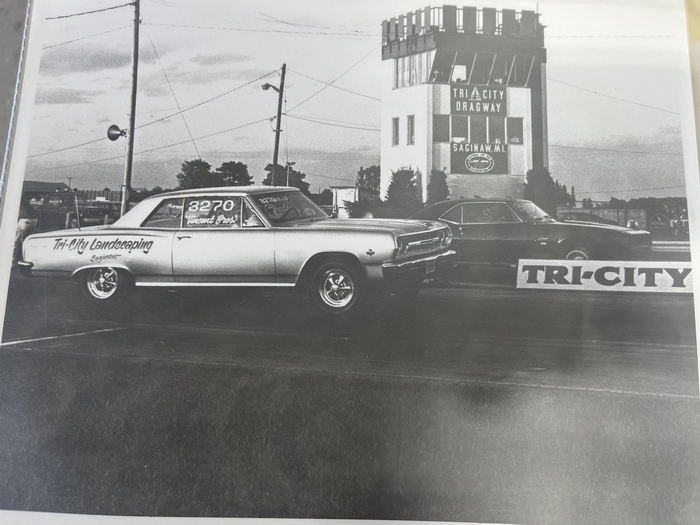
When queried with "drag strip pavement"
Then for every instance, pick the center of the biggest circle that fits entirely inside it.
(637, 344)
(613, 367)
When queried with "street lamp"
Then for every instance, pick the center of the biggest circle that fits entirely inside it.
(280, 92)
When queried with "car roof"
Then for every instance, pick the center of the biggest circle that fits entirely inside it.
(233, 190)
(437, 209)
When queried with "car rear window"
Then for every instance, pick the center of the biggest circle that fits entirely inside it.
(166, 215)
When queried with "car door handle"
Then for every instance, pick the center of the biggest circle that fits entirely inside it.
(180, 237)
(543, 240)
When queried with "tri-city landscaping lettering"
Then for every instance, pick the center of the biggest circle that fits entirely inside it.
(82, 244)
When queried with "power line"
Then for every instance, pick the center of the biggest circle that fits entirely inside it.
(613, 97)
(177, 103)
(210, 99)
(630, 189)
(157, 148)
(89, 12)
(609, 36)
(332, 124)
(159, 119)
(336, 87)
(610, 150)
(296, 24)
(328, 84)
(57, 44)
(337, 121)
(258, 30)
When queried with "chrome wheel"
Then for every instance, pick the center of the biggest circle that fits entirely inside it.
(336, 288)
(577, 255)
(102, 283)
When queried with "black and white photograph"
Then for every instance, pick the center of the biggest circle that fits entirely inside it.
(322, 259)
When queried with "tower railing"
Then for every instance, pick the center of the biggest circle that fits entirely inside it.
(463, 20)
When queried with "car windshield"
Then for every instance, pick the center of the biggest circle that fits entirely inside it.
(286, 207)
(530, 212)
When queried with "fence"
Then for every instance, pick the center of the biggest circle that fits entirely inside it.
(99, 195)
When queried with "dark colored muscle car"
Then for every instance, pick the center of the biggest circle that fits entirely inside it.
(505, 230)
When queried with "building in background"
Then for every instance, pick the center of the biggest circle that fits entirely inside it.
(464, 90)
(342, 195)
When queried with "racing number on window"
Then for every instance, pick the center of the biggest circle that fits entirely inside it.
(206, 205)
(212, 212)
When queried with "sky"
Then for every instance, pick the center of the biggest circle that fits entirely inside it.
(613, 67)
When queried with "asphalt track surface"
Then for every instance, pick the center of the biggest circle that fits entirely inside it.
(471, 403)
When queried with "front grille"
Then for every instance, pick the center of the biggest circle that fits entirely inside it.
(420, 243)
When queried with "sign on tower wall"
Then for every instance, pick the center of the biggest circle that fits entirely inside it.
(475, 145)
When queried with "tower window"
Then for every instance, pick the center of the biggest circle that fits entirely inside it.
(395, 131)
(482, 68)
(460, 127)
(477, 130)
(411, 129)
(497, 130)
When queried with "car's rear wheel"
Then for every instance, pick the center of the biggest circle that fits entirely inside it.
(577, 254)
(105, 285)
(336, 287)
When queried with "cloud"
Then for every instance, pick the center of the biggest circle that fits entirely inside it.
(64, 96)
(153, 83)
(220, 58)
(85, 59)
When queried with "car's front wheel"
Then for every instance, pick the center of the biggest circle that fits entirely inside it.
(336, 287)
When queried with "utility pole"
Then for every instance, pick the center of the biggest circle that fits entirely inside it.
(280, 91)
(132, 116)
(289, 165)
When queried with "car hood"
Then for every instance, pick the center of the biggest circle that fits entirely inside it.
(600, 226)
(396, 226)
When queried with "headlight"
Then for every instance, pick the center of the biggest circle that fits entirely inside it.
(447, 239)
(401, 246)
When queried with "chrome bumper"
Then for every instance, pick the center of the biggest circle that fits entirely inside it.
(417, 263)
(25, 268)
(400, 273)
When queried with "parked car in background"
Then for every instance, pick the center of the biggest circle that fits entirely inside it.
(26, 225)
(243, 236)
(56, 211)
(582, 216)
(505, 230)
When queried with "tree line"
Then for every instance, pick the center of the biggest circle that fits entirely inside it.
(403, 197)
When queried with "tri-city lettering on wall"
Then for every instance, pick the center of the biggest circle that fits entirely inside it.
(469, 99)
(617, 276)
(482, 102)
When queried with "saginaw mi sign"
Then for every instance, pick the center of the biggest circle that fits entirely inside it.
(482, 103)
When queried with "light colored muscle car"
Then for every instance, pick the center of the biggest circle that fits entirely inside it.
(243, 236)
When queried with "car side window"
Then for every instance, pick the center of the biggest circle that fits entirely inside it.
(250, 217)
(454, 215)
(166, 215)
(216, 212)
(487, 212)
